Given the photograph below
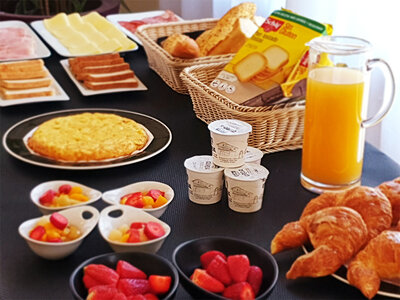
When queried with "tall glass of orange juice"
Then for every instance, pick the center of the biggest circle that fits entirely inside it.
(336, 112)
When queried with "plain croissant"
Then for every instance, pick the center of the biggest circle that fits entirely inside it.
(391, 189)
(380, 259)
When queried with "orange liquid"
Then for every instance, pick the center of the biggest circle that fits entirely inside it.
(333, 138)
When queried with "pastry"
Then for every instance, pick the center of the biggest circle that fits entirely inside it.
(392, 191)
(87, 137)
(182, 46)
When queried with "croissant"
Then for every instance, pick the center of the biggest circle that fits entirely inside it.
(337, 233)
(380, 259)
(391, 189)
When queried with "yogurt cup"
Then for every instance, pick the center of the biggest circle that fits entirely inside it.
(253, 156)
(229, 142)
(245, 187)
(205, 179)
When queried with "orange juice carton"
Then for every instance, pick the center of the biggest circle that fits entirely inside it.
(272, 63)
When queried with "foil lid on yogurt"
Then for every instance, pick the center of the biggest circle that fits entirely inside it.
(229, 127)
(202, 164)
(247, 172)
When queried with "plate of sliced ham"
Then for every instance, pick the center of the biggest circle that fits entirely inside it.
(128, 23)
(19, 42)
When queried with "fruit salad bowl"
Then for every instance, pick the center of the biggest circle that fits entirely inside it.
(52, 196)
(146, 262)
(194, 264)
(130, 229)
(83, 218)
(136, 192)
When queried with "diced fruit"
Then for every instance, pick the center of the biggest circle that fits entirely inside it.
(102, 273)
(208, 256)
(79, 197)
(150, 296)
(134, 235)
(255, 277)
(37, 233)
(154, 230)
(119, 296)
(133, 286)
(76, 190)
(65, 189)
(58, 220)
(148, 201)
(47, 198)
(206, 281)
(136, 297)
(127, 270)
(159, 284)
(218, 268)
(138, 225)
(102, 292)
(89, 282)
(135, 199)
(160, 201)
(154, 194)
(115, 235)
(239, 266)
(239, 291)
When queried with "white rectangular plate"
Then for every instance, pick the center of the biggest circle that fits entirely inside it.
(41, 50)
(115, 19)
(60, 95)
(54, 42)
(88, 92)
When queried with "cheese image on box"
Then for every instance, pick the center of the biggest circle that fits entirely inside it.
(265, 61)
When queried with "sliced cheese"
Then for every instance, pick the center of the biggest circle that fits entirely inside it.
(58, 21)
(75, 20)
(84, 49)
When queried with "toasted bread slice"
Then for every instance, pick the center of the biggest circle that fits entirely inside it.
(126, 83)
(250, 66)
(25, 74)
(104, 77)
(20, 66)
(77, 67)
(25, 83)
(8, 94)
(93, 58)
(101, 70)
(277, 57)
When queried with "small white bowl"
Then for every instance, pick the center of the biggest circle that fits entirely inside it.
(126, 215)
(40, 189)
(113, 197)
(76, 217)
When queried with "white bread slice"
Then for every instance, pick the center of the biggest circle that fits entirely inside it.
(277, 57)
(25, 83)
(126, 83)
(243, 29)
(104, 77)
(250, 66)
(33, 65)
(7, 94)
(101, 69)
(77, 67)
(258, 20)
(24, 74)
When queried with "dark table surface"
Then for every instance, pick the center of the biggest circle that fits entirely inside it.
(23, 275)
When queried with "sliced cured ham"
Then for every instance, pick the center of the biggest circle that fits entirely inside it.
(16, 43)
(167, 16)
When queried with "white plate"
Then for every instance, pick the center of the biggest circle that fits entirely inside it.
(88, 92)
(115, 19)
(54, 42)
(41, 50)
(60, 95)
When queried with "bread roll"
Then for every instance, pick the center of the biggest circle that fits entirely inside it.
(182, 46)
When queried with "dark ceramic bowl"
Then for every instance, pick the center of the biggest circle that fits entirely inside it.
(186, 258)
(148, 263)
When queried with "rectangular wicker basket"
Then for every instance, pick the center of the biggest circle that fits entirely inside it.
(275, 128)
(164, 64)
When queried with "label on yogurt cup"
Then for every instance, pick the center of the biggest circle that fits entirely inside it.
(202, 164)
(230, 127)
(248, 172)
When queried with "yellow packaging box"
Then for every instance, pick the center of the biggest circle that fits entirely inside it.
(269, 58)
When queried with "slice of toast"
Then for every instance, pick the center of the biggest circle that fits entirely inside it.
(101, 70)
(24, 74)
(25, 83)
(126, 83)
(104, 77)
(77, 67)
(20, 66)
(277, 57)
(250, 66)
(93, 58)
(8, 94)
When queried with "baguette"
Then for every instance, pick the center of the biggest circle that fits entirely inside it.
(126, 83)
(7, 94)
(182, 46)
(25, 83)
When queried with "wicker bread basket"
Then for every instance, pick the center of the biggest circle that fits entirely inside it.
(275, 128)
(164, 64)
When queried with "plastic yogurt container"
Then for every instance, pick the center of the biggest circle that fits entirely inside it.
(253, 156)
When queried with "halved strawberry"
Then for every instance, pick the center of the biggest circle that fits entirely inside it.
(239, 291)
(255, 277)
(102, 274)
(154, 194)
(154, 230)
(135, 199)
(102, 292)
(134, 235)
(206, 281)
(48, 197)
(133, 286)
(238, 266)
(64, 189)
(37, 233)
(150, 296)
(136, 297)
(208, 256)
(58, 220)
(218, 268)
(159, 284)
(119, 296)
(90, 282)
(127, 270)
(137, 225)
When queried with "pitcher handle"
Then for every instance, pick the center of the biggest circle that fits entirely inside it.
(387, 102)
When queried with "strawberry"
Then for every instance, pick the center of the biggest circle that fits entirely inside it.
(155, 194)
(58, 220)
(126, 270)
(102, 274)
(218, 268)
(135, 199)
(239, 291)
(137, 225)
(208, 256)
(206, 281)
(153, 230)
(90, 282)
(238, 266)
(159, 284)
(255, 277)
(134, 236)
(136, 297)
(119, 296)
(37, 233)
(133, 286)
(102, 292)
(64, 189)
(47, 198)
(150, 296)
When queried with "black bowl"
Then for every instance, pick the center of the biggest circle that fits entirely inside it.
(148, 263)
(186, 258)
